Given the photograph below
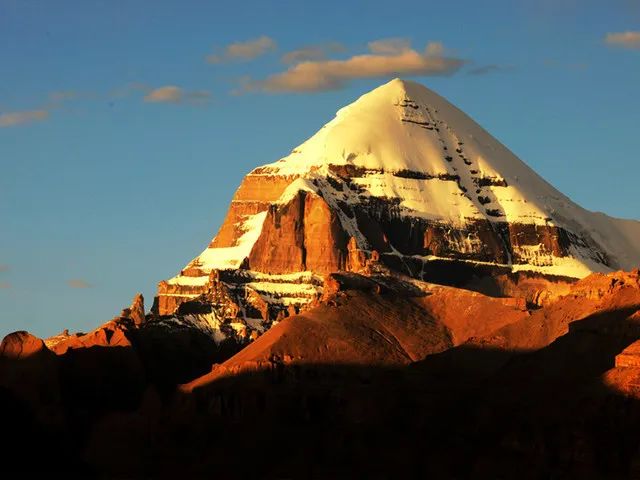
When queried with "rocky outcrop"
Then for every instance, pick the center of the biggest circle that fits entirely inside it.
(112, 334)
(136, 311)
(21, 345)
(302, 235)
(531, 383)
(630, 356)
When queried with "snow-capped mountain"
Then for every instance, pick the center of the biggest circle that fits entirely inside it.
(401, 180)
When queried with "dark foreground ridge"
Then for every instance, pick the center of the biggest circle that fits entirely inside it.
(549, 394)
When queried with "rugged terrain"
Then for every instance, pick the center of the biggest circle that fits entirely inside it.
(385, 376)
(400, 296)
(403, 179)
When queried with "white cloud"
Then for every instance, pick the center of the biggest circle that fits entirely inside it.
(166, 94)
(78, 283)
(312, 52)
(63, 95)
(11, 119)
(392, 57)
(173, 94)
(492, 68)
(247, 50)
(389, 46)
(623, 39)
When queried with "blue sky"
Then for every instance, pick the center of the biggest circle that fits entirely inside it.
(103, 193)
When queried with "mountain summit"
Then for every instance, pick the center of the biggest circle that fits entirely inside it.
(399, 180)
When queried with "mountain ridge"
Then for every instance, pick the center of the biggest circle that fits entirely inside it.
(402, 179)
(351, 309)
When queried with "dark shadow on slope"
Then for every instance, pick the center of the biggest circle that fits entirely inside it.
(177, 355)
(468, 412)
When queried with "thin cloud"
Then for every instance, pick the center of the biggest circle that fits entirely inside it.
(575, 66)
(434, 49)
(63, 96)
(11, 119)
(387, 58)
(166, 94)
(198, 96)
(5, 285)
(389, 46)
(312, 52)
(77, 283)
(629, 40)
(4, 267)
(174, 94)
(245, 51)
(493, 68)
(129, 89)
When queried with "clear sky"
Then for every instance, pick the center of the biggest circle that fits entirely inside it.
(125, 127)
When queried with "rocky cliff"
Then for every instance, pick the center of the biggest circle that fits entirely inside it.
(403, 179)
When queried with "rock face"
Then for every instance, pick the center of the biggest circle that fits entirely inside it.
(402, 177)
(478, 386)
(136, 311)
(21, 345)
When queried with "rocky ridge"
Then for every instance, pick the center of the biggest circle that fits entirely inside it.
(533, 381)
(403, 179)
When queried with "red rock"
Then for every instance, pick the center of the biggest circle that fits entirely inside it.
(136, 311)
(630, 356)
(19, 345)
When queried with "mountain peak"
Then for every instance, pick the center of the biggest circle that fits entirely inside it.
(398, 88)
(399, 179)
(385, 129)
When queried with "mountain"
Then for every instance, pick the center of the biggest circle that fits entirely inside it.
(399, 297)
(400, 181)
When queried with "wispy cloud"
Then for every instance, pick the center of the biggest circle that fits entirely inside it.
(247, 50)
(167, 94)
(174, 94)
(312, 52)
(129, 89)
(63, 96)
(387, 58)
(630, 39)
(4, 285)
(492, 68)
(78, 283)
(389, 46)
(11, 119)
(575, 66)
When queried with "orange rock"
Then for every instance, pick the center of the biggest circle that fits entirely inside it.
(21, 344)
(630, 356)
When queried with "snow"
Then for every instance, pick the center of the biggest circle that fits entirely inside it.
(296, 277)
(285, 289)
(190, 295)
(464, 174)
(221, 258)
(433, 199)
(189, 281)
(403, 126)
(255, 324)
(384, 130)
(232, 257)
(561, 266)
(298, 185)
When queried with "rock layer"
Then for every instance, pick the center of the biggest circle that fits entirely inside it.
(406, 179)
